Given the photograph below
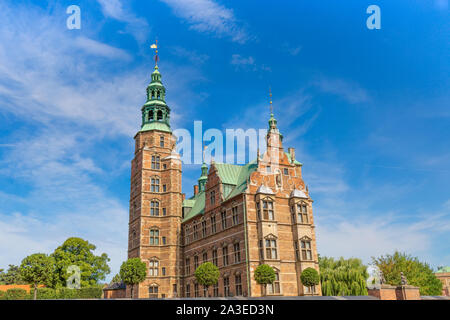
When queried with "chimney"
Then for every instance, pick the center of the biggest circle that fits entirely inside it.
(195, 189)
(292, 153)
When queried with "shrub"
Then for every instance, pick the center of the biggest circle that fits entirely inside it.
(90, 293)
(207, 274)
(66, 293)
(46, 293)
(310, 277)
(264, 274)
(2, 295)
(16, 294)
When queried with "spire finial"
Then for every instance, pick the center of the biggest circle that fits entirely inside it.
(155, 46)
(270, 100)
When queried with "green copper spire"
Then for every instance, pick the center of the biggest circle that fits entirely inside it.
(272, 120)
(203, 178)
(155, 112)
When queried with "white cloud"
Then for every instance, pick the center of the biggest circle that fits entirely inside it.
(243, 63)
(209, 17)
(350, 91)
(138, 27)
(101, 49)
(192, 56)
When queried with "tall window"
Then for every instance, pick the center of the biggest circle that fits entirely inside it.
(215, 260)
(163, 271)
(225, 256)
(238, 284)
(188, 266)
(161, 141)
(196, 290)
(261, 250)
(155, 162)
(163, 240)
(302, 213)
(223, 217)
(306, 249)
(204, 229)
(274, 287)
(195, 231)
(188, 291)
(271, 249)
(153, 268)
(213, 224)
(186, 235)
(235, 215)
(309, 290)
(216, 290)
(226, 287)
(154, 237)
(153, 291)
(237, 253)
(195, 262)
(154, 208)
(212, 197)
(267, 210)
(155, 185)
(205, 256)
(297, 253)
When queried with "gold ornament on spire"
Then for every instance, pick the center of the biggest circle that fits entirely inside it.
(155, 46)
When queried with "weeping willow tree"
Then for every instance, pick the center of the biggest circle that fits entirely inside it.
(343, 277)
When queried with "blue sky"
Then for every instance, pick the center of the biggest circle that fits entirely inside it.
(368, 112)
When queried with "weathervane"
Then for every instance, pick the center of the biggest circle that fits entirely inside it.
(155, 46)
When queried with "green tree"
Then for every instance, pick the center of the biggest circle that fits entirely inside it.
(12, 276)
(343, 277)
(79, 252)
(418, 273)
(264, 274)
(310, 277)
(132, 272)
(37, 269)
(207, 274)
(116, 278)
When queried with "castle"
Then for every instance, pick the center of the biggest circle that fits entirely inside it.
(238, 218)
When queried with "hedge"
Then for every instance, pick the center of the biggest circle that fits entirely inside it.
(16, 294)
(49, 293)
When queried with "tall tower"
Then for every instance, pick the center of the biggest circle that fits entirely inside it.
(155, 197)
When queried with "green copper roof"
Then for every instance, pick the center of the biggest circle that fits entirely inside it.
(234, 181)
(155, 125)
(197, 205)
(289, 158)
(443, 270)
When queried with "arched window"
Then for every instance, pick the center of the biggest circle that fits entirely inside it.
(153, 291)
(158, 94)
(153, 94)
(153, 267)
(154, 237)
(154, 208)
(155, 162)
(155, 185)
(150, 115)
(159, 115)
